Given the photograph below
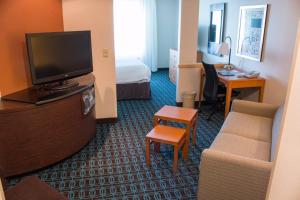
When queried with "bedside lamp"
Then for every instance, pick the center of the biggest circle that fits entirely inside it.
(225, 49)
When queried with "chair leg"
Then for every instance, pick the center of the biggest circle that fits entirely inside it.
(212, 112)
(195, 130)
(147, 151)
(175, 162)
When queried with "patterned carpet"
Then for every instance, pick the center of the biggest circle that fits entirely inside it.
(112, 165)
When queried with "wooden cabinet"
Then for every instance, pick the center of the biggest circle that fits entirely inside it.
(173, 65)
(35, 136)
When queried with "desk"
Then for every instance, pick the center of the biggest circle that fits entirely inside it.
(234, 82)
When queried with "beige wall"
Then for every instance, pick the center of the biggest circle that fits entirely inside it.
(97, 16)
(285, 179)
(278, 47)
(188, 79)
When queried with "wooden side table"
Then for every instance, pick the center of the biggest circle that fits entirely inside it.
(186, 116)
(167, 135)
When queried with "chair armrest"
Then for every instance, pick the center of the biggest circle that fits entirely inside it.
(225, 176)
(254, 108)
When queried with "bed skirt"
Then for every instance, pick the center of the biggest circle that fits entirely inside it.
(133, 91)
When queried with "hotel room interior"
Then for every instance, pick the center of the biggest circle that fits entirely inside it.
(149, 99)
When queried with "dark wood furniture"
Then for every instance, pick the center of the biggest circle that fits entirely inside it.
(32, 188)
(33, 137)
(167, 135)
(187, 116)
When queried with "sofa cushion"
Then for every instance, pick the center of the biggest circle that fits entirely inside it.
(275, 131)
(242, 146)
(250, 126)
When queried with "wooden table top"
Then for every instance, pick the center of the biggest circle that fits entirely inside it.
(176, 113)
(166, 134)
(236, 78)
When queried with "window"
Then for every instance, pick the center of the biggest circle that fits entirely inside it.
(129, 28)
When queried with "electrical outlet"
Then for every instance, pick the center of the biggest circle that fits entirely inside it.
(105, 53)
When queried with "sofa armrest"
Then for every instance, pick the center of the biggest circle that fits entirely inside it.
(225, 176)
(254, 108)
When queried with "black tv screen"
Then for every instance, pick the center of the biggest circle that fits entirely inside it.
(59, 56)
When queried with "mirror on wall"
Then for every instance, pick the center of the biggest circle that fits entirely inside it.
(216, 27)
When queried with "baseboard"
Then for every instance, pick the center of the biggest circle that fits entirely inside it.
(107, 120)
(162, 69)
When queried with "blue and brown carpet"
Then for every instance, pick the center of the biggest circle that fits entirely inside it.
(112, 165)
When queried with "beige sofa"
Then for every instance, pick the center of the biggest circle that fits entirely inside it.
(238, 164)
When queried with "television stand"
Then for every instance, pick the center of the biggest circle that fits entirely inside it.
(62, 85)
(35, 136)
(53, 92)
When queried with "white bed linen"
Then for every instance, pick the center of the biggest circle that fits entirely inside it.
(132, 71)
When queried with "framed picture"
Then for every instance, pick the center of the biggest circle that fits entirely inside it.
(251, 31)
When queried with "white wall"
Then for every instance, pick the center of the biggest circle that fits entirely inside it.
(278, 47)
(188, 79)
(285, 179)
(97, 16)
(167, 29)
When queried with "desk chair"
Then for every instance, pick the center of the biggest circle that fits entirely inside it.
(214, 92)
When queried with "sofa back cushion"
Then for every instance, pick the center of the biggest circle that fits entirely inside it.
(276, 130)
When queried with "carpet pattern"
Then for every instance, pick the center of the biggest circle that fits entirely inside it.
(112, 165)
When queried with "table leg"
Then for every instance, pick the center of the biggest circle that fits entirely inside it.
(201, 86)
(187, 137)
(156, 144)
(175, 161)
(184, 150)
(147, 141)
(261, 93)
(195, 129)
(155, 121)
(228, 99)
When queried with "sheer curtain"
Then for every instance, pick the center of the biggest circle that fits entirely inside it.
(150, 54)
(136, 30)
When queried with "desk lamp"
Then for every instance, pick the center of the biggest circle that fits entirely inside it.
(225, 49)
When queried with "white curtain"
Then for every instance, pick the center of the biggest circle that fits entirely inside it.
(150, 54)
(136, 30)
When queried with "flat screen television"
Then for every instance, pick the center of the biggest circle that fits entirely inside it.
(55, 57)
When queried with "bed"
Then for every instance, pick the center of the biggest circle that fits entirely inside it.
(133, 79)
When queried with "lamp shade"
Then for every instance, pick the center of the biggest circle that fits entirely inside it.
(224, 49)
